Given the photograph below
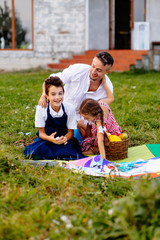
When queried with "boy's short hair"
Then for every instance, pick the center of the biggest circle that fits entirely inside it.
(105, 58)
(53, 81)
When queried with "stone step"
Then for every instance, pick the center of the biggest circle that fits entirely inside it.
(123, 59)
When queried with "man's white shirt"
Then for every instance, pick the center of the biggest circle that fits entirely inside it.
(76, 79)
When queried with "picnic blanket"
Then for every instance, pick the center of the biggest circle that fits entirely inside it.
(95, 166)
(142, 160)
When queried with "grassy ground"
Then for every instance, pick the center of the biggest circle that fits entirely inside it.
(54, 203)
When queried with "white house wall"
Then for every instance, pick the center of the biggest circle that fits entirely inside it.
(98, 24)
(59, 32)
(153, 17)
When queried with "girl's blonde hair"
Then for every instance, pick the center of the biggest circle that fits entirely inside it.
(91, 107)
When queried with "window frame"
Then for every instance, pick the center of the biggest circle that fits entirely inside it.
(13, 30)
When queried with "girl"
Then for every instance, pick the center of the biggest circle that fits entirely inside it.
(56, 125)
(102, 119)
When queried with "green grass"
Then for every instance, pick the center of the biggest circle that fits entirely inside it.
(39, 203)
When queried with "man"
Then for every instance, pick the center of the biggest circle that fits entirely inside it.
(84, 81)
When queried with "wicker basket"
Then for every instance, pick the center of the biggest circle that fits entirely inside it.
(116, 150)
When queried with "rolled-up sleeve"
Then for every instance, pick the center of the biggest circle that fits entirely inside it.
(109, 83)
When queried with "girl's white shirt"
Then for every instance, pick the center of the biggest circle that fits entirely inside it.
(41, 115)
(102, 129)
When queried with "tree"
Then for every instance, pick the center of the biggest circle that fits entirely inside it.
(6, 28)
(6, 25)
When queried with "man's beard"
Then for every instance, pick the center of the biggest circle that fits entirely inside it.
(94, 79)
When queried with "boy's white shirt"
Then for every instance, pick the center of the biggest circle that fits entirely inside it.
(41, 115)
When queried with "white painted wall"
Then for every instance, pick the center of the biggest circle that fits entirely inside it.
(153, 17)
(97, 24)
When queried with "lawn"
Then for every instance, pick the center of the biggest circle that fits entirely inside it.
(54, 203)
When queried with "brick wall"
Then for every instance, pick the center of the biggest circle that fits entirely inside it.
(59, 32)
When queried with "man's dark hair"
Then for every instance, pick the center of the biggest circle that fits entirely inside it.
(105, 58)
(53, 81)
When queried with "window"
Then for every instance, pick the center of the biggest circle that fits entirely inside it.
(16, 24)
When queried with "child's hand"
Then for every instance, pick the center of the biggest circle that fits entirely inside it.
(61, 140)
(57, 140)
(64, 140)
